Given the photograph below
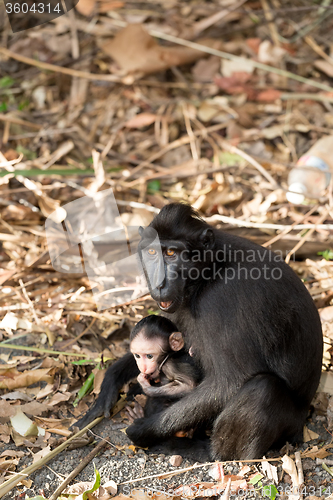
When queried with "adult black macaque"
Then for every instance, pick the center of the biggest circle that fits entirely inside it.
(252, 325)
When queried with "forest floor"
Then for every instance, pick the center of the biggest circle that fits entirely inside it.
(115, 96)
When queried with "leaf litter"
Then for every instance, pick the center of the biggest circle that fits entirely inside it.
(95, 100)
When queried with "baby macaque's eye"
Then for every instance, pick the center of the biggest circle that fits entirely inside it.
(137, 356)
(150, 356)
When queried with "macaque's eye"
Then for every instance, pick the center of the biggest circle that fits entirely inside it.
(152, 251)
(170, 252)
(137, 356)
(150, 356)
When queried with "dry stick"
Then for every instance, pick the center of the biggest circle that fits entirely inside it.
(78, 469)
(13, 119)
(307, 235)
(232, 149)
(289, 96)
(263, 225)
(26, 296)
(57, 69)
(198, 466)
(173, 145)
(271, 25)
(310, 41)
(290, 228)
(299, 467)
(71, 341)
(207, 22)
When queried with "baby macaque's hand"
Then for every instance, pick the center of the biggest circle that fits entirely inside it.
(134, 412)
(144, 380)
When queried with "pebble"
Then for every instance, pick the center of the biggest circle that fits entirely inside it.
(176, 460)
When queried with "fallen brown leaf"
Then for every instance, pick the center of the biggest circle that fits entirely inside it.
(13, 379)
(141, 120)
(135, 51)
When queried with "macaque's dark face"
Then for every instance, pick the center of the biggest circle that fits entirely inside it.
(148, 354)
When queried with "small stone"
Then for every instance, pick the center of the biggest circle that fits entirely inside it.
(176, 460)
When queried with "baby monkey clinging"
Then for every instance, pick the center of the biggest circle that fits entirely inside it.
(166, 369)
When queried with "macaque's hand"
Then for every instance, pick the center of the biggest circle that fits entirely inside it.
(144, 380)
(134, 412)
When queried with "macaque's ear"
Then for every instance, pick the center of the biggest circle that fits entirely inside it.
(176, 341)
(207, 238)
(141, 229)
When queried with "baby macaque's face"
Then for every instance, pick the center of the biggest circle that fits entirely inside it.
(148, 354)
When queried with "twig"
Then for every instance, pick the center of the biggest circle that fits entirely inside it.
(299, 467)
(71, 341)
(12, 119)
(313, 44)
(269, 19)
(306, 95)
(232, 149)
(307, 235)
(209, 21)
(264, 225)
(40, 350)
(290, 228)
(198, 466)
(27, 298)
(58, 69)
(189, 131)
(173, 145)
(78, 469)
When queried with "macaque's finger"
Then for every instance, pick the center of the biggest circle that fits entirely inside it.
(135, 412)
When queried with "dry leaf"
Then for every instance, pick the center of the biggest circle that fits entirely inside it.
(105, 6)
(309, 435)
(326, 382)
(48, 206)
(13, 379)
(86, 7)
(270, 54)
(80, 488)
(141, 120)
(59, 398)
(111, 487)
(326, 313)
(270, 471)
(269, 95)
(41, 454)
(135, 51)
(315, 452)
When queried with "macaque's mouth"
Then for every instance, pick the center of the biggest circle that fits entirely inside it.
(165, 305)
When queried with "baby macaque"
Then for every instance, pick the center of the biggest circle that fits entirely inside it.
(166, 369)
